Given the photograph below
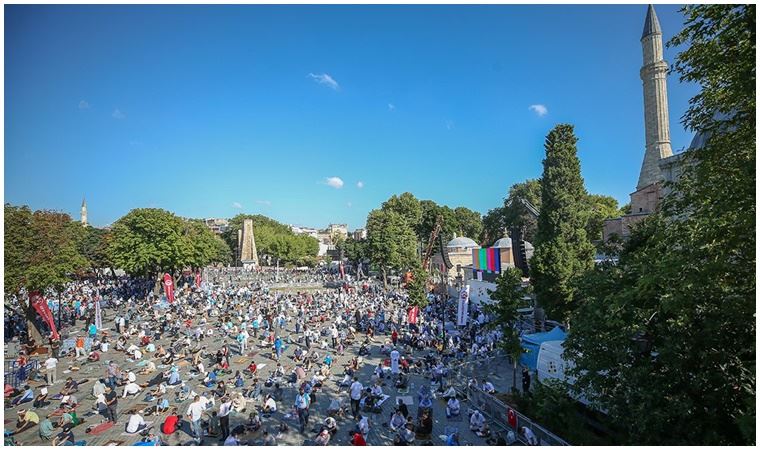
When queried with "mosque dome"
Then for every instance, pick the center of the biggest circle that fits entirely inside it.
(505, 242)
(462, 242)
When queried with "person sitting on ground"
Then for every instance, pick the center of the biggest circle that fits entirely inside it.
(323, 437)
(336, 408)
(251, 369)
(70, 387)
(268, 439)
(330, 425)
(214, 425)
(358, 439)
(135, 423)
(69, 420)
(476, 421)
(66, 437)
(27, 396)
(26, 420)
(150, 367)
(403, 408)
(254, 421)
(363, 425)
(529, 436)
(40, 401)
(94, 356)
(453, 439)
(397, 421)
(452, 408)
(46, 430)
(68, 402)
(488, 387)
(270, 406)
(171, 424)
(131, 388)
(450, 392)
(405, 436)
(484, 431)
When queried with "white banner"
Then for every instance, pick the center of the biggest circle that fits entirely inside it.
(98, 318)
(464, 302)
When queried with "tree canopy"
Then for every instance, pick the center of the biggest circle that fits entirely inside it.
(275, 240)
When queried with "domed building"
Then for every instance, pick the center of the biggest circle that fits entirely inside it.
(458, 255)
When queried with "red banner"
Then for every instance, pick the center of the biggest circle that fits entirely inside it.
(411, 315)
(169, 287)
(41, 306)
(512, 418)
(342, 271)
(198, 278)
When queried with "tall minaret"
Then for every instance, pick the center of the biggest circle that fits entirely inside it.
(83, 213)
(656, 119)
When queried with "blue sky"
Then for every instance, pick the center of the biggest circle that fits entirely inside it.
(210, 111)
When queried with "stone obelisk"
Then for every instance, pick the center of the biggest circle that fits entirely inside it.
(248, 256)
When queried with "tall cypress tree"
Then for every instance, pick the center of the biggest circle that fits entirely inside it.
(563, 250)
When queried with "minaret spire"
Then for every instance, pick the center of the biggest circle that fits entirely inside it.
(656, 119)
(83, 212)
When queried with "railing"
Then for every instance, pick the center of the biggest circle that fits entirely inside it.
(17, 375)
(493, 408)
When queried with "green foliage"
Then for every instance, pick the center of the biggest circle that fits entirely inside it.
(600, 207)
(493, 226)
(417, 287)
(92, 243)
(562, 249)
(274, 239)
(552, 407)
(40, 249)
(391, 242)
(470, 222)
(148, 241)
(516, 214)
(666, 338)
(506, 300)
(407, 206)
(354, 250)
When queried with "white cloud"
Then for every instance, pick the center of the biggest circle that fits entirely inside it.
(349, 204)
(118, 114)
(326, 80)
(264, 202)
(540, 110)
(360, 184)
(391, 106)
(335, 182)
(84, 104)
(237, 205)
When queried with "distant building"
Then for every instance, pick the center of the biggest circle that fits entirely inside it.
(313, 232)
(338, 228)
(218, 226)
(359, 234)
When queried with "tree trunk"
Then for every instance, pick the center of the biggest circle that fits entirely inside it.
(385, 280)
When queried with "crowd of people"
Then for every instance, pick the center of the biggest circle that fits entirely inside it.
(232, 347)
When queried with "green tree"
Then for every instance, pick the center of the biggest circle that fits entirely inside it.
(391, 242)
(274, 239)
(562, 249)
(19, 243)
(493, 226)
(417, 287)
(516, 213)
(407, 206)
(506, 299)
(469, 222)
(665, 338)
(601, 207)
(149, 241)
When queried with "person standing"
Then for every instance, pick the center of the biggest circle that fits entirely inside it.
(302, 408)
(525, 380)
(224, 416)
(334, 332)
(112, 401)
(356, 395)
(194, 414)
(51, 370)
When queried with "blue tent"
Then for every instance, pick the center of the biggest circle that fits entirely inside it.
(531, 343)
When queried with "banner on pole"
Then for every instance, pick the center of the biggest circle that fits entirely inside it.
(411, 316)
(464, 301)
(98, 318)
(169, 287)
(198, 278)
(41, 306)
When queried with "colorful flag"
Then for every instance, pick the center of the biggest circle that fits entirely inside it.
(411, 315)
(169, 287)
(464, 301)
(41, 306)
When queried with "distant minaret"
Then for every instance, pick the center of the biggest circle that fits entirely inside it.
(656, 119)
(83, 213)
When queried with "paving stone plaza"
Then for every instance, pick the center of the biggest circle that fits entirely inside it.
(317, 308)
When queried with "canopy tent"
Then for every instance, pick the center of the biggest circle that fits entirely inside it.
(531, 343)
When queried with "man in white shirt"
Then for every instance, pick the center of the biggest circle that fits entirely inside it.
(194, 414)
(395, 355)
(51, 368)
(452, 407)
(476, 421)
(136, 423)
(356, 395)
(270, 405)
(131, 389)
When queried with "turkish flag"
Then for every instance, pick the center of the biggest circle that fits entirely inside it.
(411, 315)
(512, 418)
(169, 287)
(41, 306)
(198, 278)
